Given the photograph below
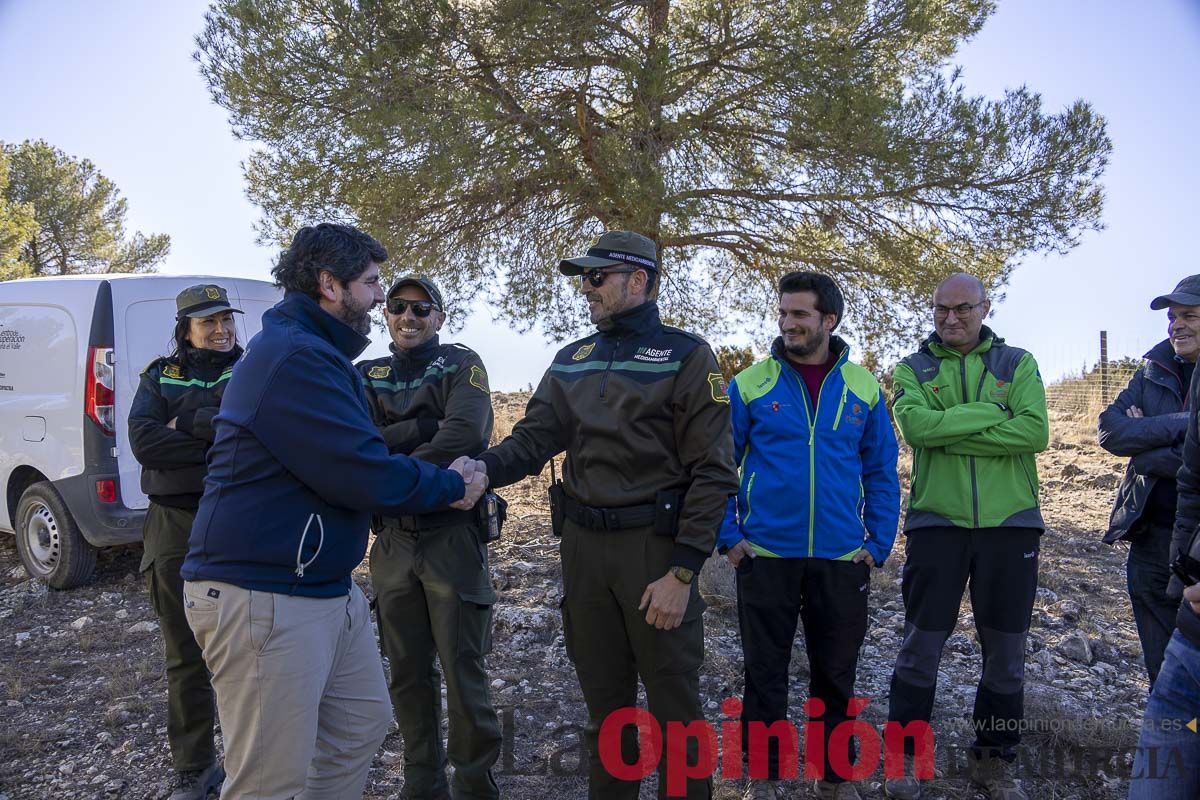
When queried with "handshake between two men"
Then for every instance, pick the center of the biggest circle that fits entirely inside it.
(474, 475)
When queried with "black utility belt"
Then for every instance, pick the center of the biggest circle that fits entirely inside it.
(437, 519)
(662, 515)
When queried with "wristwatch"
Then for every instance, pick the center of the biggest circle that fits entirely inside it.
(683, 574)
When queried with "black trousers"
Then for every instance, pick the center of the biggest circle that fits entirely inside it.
(1147, 572)
(830, 598)
(1000, 564)
(191, 703)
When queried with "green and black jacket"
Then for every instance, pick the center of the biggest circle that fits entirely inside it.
(975, 423)
(639, 408)
(172, 459)
(410, 392)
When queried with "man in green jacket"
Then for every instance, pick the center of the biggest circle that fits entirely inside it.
(973, 409)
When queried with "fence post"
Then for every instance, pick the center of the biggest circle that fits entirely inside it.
(1104, 367)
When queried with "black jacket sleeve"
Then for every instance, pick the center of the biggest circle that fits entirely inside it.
(704, 440)
(1127, 436)
(154, 445)
(198, 423)
(1187, 508)
(540, 435)
(467, 420)
(1161, 462)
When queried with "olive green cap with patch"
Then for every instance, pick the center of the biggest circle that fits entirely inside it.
(202, 300)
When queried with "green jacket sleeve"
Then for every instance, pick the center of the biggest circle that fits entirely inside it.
(1027, 430)
(467, 419)
(537, 437)
(925, 427)
(704, 441)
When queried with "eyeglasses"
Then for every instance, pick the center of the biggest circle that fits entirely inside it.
(420, 308)
(596, 276)
(960, 311)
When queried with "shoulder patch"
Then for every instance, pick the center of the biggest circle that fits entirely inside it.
(379, 372)
(720, 389)
(687, 334)
(583, 352)
(478, 379)
(172, 371)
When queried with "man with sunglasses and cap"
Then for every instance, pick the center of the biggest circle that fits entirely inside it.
(1147, 423)
(641, 410)
(433, 590)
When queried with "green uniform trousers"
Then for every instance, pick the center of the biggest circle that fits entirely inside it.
(191, 704)
(434, 596)
(611, 645)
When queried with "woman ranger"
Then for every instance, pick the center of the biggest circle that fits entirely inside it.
(170, 429)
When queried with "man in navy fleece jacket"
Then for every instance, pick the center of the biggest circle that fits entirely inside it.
(295, 473)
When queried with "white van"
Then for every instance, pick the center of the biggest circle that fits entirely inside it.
(71, 353)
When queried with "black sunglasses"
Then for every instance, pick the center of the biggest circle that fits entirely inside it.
(420, 308)
(596, 276)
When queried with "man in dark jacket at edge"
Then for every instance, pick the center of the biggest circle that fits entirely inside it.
(642, 412)
(1166, 764)
(1147, 423)
(433, 588)
(295, 472)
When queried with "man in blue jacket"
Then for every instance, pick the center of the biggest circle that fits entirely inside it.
(817, 508)
(295, 472)
(1147, 423)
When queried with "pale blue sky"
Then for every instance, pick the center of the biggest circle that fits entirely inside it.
(115, 82)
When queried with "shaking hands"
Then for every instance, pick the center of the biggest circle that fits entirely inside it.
(474, 475)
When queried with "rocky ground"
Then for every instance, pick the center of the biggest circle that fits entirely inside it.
(83, 695)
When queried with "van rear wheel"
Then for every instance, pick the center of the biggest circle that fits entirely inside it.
(48, 540)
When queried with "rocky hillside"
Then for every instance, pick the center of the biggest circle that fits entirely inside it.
(83, 695)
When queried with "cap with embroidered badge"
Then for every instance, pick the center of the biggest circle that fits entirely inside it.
(421, 282)
(614, 249)
(202, 300)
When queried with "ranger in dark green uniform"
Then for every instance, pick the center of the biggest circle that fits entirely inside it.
(170, 430)
(640, 409)
(433, 590)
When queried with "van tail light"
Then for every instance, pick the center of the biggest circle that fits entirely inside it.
(106, 491)
(99, 403)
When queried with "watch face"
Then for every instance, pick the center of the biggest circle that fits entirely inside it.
(683, 573)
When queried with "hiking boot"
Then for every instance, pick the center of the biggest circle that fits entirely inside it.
(995, 776)
(906, 787)
(761, 790)
(195, 784)
(836, 791)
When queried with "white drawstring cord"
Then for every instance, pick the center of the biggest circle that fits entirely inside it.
(300, 565)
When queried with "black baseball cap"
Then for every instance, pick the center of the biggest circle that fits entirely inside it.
(1187, 293)
(422, 282)
(202, 300)
(614, 249)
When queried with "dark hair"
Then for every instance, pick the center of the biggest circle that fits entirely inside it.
(829, 296)
(181, 346)
(341, 250)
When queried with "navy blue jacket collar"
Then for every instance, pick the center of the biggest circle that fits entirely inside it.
(305, 312)
(639, 319)
(418, 355)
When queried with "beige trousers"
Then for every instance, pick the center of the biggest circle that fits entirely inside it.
(301, 696)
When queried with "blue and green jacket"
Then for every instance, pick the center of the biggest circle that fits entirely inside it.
(815, 482)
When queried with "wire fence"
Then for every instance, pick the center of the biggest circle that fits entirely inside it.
(1090, 393)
